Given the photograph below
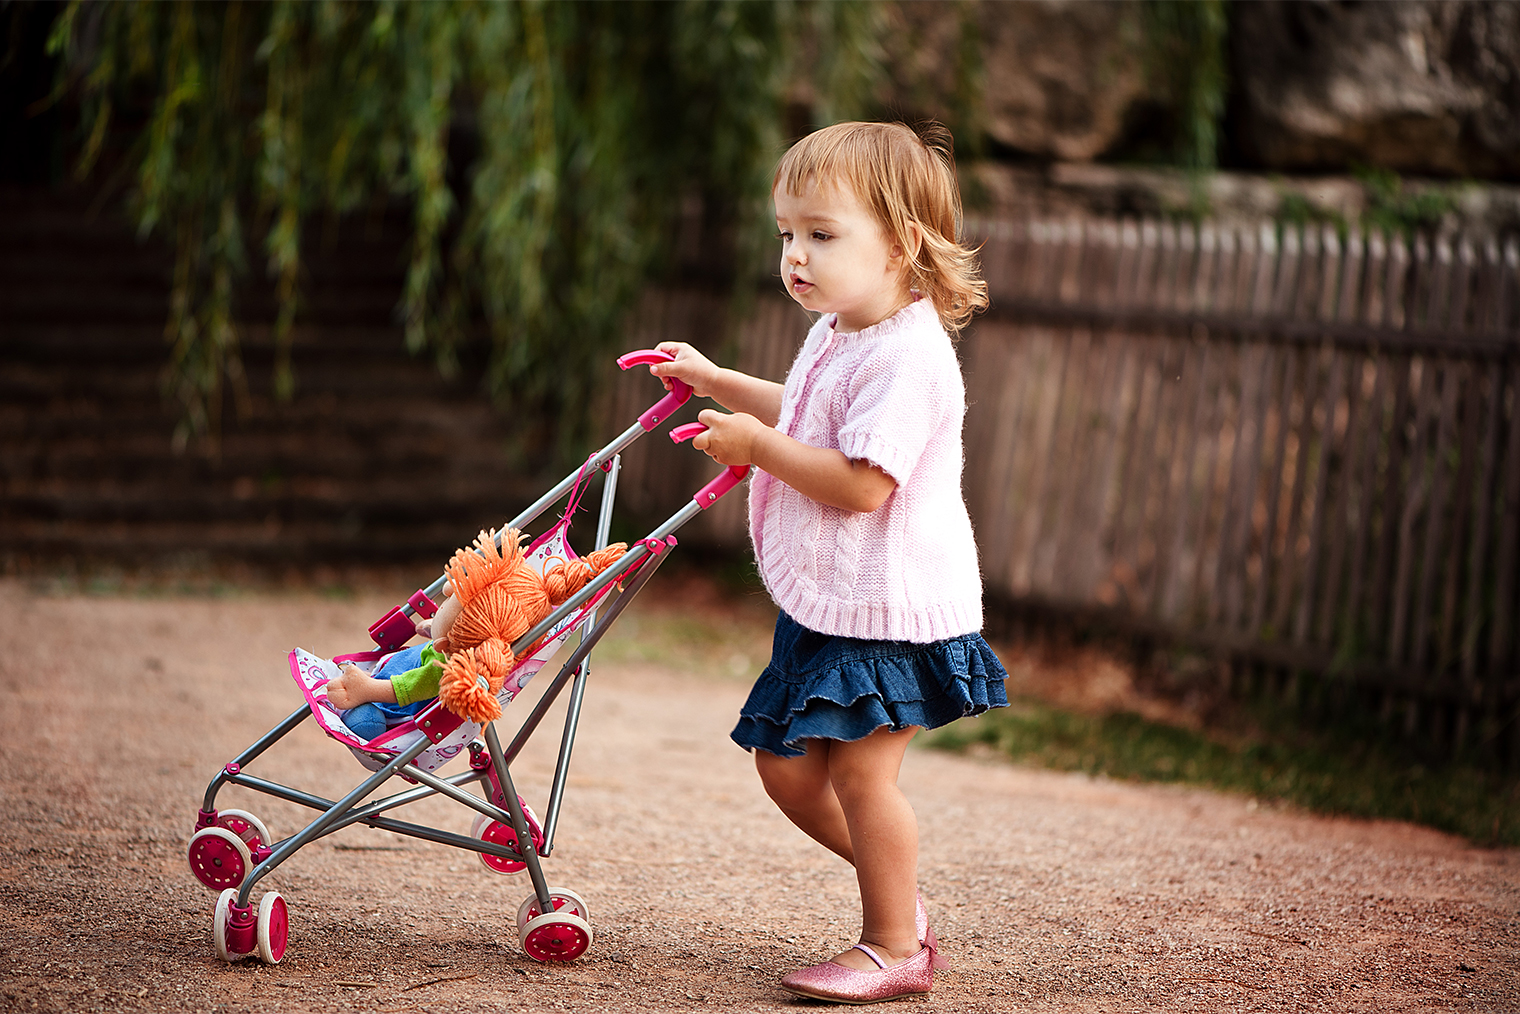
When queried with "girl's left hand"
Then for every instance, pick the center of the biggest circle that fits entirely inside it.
(730, 438)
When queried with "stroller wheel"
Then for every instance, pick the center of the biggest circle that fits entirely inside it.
(245, 825)
(565, 900)
(220, 925)
(273, 928)
(556, 937)
(219, 858)
(498, 833)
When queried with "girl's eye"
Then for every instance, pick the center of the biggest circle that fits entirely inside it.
(784, 236)
(820, 236)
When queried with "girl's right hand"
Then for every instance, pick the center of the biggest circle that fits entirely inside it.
(689, 365)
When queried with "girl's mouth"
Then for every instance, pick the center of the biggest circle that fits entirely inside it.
(799, 285)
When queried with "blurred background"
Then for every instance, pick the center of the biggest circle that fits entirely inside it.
(293, 287)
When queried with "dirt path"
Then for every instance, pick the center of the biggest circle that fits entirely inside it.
(1049, 892)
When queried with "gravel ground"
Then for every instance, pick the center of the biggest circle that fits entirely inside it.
(1049, 892)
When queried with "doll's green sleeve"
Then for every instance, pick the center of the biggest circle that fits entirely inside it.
(421, 683)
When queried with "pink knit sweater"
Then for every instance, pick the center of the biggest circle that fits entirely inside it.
(891, 394)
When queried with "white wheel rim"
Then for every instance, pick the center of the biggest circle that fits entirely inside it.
(522, 912)
(577, 907)
(477, 830)
(257, 824)
(219, 923)
(266, 946)
(581, 908)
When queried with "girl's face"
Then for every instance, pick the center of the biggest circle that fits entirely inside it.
(835, 258)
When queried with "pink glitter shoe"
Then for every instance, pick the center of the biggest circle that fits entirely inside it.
(833, 981)
(926, 934)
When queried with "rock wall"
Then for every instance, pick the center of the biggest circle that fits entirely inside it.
(1423, 87)
(1426, 88)
(1058, 77)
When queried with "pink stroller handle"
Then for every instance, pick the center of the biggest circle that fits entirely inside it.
(680, 391)
(727, 480)
(730, 477)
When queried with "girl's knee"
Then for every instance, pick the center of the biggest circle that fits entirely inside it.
(789, 780)
(869, 766)
(863, 780)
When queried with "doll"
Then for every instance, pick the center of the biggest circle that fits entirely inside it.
(492, 598)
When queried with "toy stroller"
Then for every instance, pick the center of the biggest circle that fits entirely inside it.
(232, 850)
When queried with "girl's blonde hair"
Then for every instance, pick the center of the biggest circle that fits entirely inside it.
(903, 176)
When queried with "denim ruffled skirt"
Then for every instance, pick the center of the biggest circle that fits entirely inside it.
(818, 686)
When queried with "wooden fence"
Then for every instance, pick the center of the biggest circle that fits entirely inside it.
(1295, 450)
(1298, 449)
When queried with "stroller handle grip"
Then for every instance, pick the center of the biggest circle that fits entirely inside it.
(726, 480)
(680, 391)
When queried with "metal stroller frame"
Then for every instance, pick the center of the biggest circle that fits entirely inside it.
(232, 850)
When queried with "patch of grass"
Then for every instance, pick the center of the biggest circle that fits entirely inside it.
(1357, 778)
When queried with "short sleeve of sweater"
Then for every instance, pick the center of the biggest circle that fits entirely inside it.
(897, 400)
(421, 683)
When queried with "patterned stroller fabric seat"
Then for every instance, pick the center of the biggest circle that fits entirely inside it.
(311, 673)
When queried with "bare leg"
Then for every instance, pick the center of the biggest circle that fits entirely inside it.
(801, 788)
(844, 796)
(884, 837)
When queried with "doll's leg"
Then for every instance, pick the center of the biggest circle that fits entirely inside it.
(365, 722)
(884, 838)
(801, 788)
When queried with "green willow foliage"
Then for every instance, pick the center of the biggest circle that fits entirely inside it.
(585, 124)
(1186, 61)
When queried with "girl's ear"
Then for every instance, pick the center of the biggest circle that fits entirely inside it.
(915, 243)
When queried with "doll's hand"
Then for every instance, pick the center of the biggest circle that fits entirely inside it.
(729, 438)
(355, 687)
(425, 627)
(689, 365)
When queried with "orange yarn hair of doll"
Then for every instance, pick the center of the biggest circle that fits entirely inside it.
(501, 598)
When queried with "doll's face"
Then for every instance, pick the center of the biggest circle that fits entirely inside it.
(443, 621)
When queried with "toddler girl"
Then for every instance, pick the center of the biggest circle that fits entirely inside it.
(859, 528)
